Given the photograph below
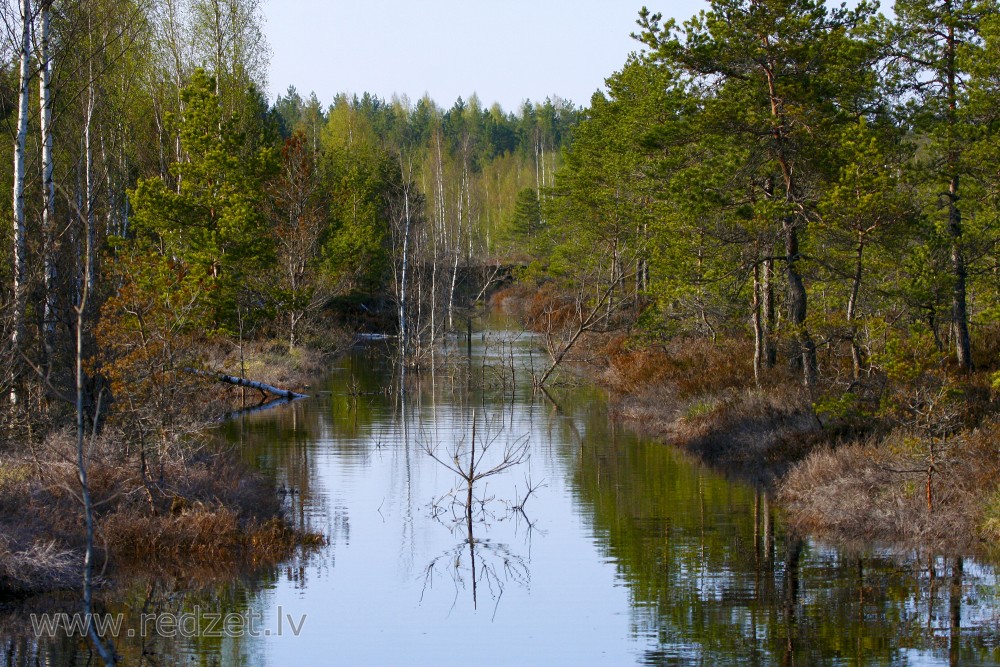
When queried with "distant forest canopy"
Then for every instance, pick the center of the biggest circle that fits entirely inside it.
(153, 181)
(499, 153)
(404, 124)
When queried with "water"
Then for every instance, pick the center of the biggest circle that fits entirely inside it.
(593, 548)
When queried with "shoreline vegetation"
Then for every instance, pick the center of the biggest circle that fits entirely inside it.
(186, 503)
(852, 476)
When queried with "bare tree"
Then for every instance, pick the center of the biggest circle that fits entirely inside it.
(592, 308)
(472, 465)
(298, 223)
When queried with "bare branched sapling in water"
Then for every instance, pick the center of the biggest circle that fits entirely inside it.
(473, 463)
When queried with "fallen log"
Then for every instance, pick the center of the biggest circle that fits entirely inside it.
(251, 384)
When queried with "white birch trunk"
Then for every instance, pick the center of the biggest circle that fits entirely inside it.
(89, 184)
(406, 260)
(48, 185)
(457, 249)
(438, 234)
(104, 647)
(20, 246)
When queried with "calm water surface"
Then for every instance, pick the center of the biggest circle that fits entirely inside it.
(593, 548)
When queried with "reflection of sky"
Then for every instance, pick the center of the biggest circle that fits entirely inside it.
(368, 599)
(368, 608)
(637, 555)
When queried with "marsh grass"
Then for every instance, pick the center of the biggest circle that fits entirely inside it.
(876, 490)
(701, 396)
(194, 506)
(912, 461)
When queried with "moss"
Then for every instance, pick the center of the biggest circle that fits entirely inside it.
(990, 525)
(13, 474)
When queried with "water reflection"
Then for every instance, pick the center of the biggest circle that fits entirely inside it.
(597, 549)
(479, 561)
(717, 580)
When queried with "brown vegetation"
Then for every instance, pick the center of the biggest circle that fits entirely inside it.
(164, 497)
(192, 505)
(907, 456)
(879, 489)
(697, 394)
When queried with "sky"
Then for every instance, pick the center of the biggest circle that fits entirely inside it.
(505, 51)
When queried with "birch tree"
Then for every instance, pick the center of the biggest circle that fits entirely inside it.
(20, 143)
(50, 259)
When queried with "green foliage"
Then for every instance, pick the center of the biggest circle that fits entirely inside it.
(213, 222)
(843, 411)
(359, 176)
(908, 356)
(921, 391)
(527, 222)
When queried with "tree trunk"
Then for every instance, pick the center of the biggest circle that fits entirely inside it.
(797, 303)
(797, 297)
(769, 320)
(405, 268)
(457, 252)
(959, 308)
(104, 648)
(20, 244)
(91, 264)
(50, 315)
(758, 327)
(852, 305)
(249, 384)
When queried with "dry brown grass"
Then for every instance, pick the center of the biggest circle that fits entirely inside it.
(37, 564)
(692, 367)
(748, 433)
(877, 490)
(195, 506)
(700, 395)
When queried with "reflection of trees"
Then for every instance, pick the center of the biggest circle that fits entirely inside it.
(717, 580)
(478, 561)
(196, 595)
(474, 563)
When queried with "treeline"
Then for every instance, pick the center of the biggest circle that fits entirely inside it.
(822, 180)
(420, 197)
(159, 200)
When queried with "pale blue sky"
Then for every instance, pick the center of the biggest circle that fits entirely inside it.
(505, 50)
